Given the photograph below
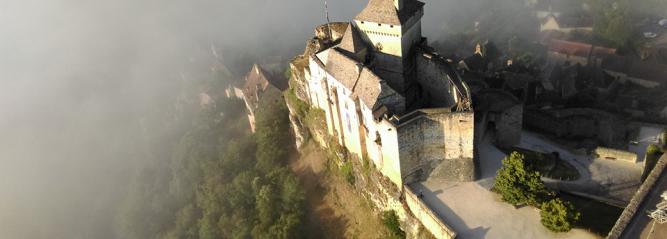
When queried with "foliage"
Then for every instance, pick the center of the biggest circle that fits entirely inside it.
(287, 73)
(612, 21)
(301, 108)
(518, 183)
(272, 131)
(347, 170)
(221, 182)
(653, 154)
(596, 216)
(654, 150)
(558, 215)
(549, 165)
(390, 221)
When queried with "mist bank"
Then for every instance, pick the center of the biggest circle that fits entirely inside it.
(91, 91)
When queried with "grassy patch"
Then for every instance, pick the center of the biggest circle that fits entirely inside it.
(315, 118)
(301, 107)
(596, 217)
(563, 171)
(347, 171)
(549, 165)
(390, 221)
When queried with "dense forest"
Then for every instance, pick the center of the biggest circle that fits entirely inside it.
(221, 181)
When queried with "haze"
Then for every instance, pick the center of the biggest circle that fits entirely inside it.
(85, 87)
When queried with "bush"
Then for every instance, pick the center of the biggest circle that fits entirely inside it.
(390, 220)
(559, 216)
(299, 106)
(519, 184)
(653, 154)
(347, 170)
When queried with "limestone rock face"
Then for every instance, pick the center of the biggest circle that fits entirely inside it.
(299, 129)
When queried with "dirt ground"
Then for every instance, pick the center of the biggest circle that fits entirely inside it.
(335, 209)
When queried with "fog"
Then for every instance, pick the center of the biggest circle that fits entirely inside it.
(86, 86)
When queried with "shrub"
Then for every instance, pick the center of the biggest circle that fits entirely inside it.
(390, 221)
(300, 106)
(653, 154)
(347, 170)
(518, 183)
(558, 215)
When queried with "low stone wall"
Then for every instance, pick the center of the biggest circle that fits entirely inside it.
(615, 154)
(427, 217)
(630, 210)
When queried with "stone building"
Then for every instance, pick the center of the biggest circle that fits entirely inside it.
(566, 23)
(579, 123)
(562, 51)
(390, 98)
(502, 113)
(258, 83)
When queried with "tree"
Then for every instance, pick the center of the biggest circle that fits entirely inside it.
(519, 184)
(272, 131)
(612, 21)
(558, 215)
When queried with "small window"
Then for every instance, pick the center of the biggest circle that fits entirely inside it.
(379, 25)
(362, 22)
(392, 26)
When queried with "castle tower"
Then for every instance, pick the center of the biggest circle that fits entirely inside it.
(392, 28)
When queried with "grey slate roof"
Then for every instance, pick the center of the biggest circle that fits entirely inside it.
(384, 11)
(343, 68)
(363, 83)
(351, 41)
(368, 88)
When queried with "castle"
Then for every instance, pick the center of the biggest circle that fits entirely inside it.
(390, 98)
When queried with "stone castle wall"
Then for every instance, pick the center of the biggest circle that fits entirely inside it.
(427, 217)
(579, 123)
(437, 145)
(435, 80)
(509, 124)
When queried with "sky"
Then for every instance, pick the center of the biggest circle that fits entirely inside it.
(85, 86)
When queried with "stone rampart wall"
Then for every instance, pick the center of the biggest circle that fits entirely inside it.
(427, 217)
(437, 145)
(631, 210)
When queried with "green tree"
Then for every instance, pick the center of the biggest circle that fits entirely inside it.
(612, 21)
(519, 184)
(559, 216)
(272, 131)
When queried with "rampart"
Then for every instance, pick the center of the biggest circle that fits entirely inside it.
(436, 144)
(631, 210)
(427, 217)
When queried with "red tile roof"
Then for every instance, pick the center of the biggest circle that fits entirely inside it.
(578, 48)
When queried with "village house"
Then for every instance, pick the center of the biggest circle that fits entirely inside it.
(557, 8)
(562, 51)
(257, 83)
(566, 23)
